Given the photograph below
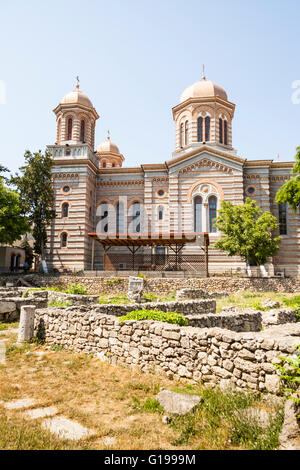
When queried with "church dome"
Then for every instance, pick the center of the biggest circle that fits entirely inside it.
(76, 97)
(108, 147)
(203, 89)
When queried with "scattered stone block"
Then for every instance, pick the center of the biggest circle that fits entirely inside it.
(256, 415)
(64, 428)
(289, 438)
(41, 412)
(177, 403)
(268, 303)
(20, 404)
(109, 441)
(135, 288)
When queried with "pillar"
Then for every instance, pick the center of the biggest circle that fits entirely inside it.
(26, 327)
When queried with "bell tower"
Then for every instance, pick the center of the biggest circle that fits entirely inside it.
(203, 116)
(75, 167)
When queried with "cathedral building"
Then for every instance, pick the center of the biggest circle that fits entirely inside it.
(98, 197)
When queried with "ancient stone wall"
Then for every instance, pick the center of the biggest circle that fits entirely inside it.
(115, 285)
(210, 355)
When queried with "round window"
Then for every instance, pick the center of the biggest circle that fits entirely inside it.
(66, 189)
(251, 190)
(160, 192)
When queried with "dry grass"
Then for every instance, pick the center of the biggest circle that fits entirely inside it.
(117, 402)
(245, 298)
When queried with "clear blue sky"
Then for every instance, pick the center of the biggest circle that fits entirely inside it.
(135, 58)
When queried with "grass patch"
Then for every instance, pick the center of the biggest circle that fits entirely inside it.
(156, 315)
(246, 299)
(7, 325)
(116, 299)
(59, 303)
(150, 405)
(217, 423)
(20, 434)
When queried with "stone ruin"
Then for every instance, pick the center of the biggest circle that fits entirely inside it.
(135, 289)
(233, 347)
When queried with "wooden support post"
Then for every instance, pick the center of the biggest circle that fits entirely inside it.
(93, 253)
(206, 245)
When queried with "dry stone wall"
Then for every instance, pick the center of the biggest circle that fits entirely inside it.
(115, 285)
(210, 355)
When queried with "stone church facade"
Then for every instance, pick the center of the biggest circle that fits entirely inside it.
(96, 193)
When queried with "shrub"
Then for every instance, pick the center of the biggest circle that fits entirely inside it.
(59, 303)
(257, 306)
(76, 289)
(111, 282)
(151, 297)
(156, 315)
(294, 302)
(289, 367)
(116, 299)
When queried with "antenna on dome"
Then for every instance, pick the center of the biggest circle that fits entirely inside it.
(77, 85)
(203, 72)
(108, 135)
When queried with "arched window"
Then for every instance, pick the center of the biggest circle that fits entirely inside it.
(104, 165)
(181, 135)
(65, 210)
(282, 210)
(63, 240)
(225, 133)
(200, 129)
(212, 208)
(82, 130)
(186, 133)
(207, 129)
(70, 126)
(221, 131)
(120, 218)
(90, 213)
(198, 214)
(160, 213)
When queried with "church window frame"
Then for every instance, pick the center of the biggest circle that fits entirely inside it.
(69, 128)
(65, 210)
(181, 136)
(82, 130)
(207, 128)
(212, 213)
(64, 236)
(200, 129)
(198, 211)
(282, 218)
(186, 133)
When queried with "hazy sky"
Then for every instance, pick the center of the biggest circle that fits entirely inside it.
(135, 58)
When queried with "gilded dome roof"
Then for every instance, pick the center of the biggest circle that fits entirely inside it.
(202, 89)
(107, 147)
(76, 97)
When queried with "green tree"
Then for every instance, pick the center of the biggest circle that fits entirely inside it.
(290, 191)
(247, 232)
(34, 186)
(29, 255)
(13, 223)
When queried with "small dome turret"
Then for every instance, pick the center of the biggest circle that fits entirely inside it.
(109, 154)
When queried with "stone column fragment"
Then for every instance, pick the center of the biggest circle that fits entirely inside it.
(26, 327)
